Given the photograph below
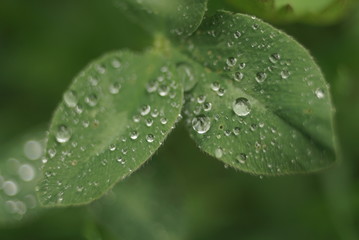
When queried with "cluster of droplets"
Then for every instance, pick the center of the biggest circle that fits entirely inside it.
(18, 178)
(144, 127)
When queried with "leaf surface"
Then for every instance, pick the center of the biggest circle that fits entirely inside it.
(263, 106)
(114, 116)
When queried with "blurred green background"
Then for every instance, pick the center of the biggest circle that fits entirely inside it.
(181, 193)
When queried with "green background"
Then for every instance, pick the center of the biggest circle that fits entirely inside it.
(181, 193)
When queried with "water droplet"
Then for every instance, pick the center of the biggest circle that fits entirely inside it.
(255, 26)
(236, 131)
(116, 63)
(241, 107)
(114, 88)
(91, 100)
(63, 134)
(100, 68)
(207, 106)
(33, 150)
(163, 90)
(231, 61)
(51, 152)
(149, 122)
(163, 121)
(186, 75)
(10, 188)
(154, 113)
(70, 98)
(134, 135)
(150, 138)
(120, 160)
(241, 158)
(152, 86)
(319, 93)
(242, 65)
(215, 86)
(218, 152)
(275, 57)
(136, 118)
(260, 77)
(237, 34)
(238, 76)
(284, 74)
(145, 110)
(221, 92)
(26, 172)
(201, 124)
(112, 147)
(201, 99)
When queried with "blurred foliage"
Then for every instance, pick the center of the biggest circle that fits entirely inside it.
(181, 192)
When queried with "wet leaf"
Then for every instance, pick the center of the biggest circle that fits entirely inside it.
(113, 117)
(263, 106)
(176, 17)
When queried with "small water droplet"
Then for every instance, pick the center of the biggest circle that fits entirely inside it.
(284, 74)
(274, 58)
(201, 124)
(163, 90)
(238, 76)
(207, 106)
(116, 63)
(201, 99)
(63, 134)
(145, 110)
(242, 65)
(215, 86)
(236, 131)
(134, 135)
(255, 26)
(70, 98)
(149, 122)
(218, 153)
(260, 77)
(241, 158)
(150, 138)
(91, 100)
(237, 34)
(114, 88)
(221, 92)
(112, 147)
(319, 93)
(231, 61)
(163, 121)
(241, 106)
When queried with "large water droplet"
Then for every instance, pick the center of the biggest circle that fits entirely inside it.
(185, 73)
(26, 172)
(201, 124)
(241, 107)
(63, 134)
(70, 98)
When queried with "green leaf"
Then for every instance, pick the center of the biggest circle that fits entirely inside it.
(20, 163)
(175, 17)
(114, 116)
(263, 106)
(279, 11)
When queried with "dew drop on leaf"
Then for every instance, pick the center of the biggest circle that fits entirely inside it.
(70, 98)
(201, 124)
(241, 107)
(150, 138)
(63, 134)
(319, 93)
(260, 77)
